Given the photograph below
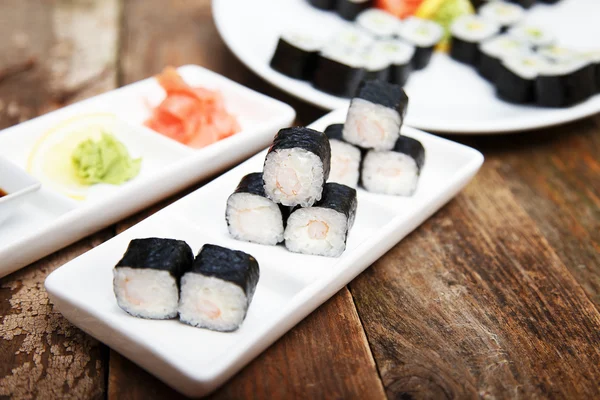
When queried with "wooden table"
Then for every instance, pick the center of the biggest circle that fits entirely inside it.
(496, 296)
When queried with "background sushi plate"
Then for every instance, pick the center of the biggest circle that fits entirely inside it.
(445, 97)
(196, 361)
(51, 219)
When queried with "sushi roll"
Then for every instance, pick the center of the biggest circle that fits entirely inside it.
(557, 54)
(297, 166)
(350, 39)
(377, 65)
(375, 115)
(251, 215)
(533, 35)
(593, 57)
(424, 35)
(565, 84)
(503, 13)
(399, 54)
(218, 289)
(524, 3)
(349, 9)
(323, 228)
(468, 32)
(515, 81)
(323, 4)
(493, 51)
(146, 279)
(296, 55)
(379, 23)
(396, 171)
(345, 158)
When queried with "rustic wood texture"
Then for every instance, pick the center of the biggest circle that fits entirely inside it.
(496, 296)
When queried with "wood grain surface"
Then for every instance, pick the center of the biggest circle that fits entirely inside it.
(496, 296)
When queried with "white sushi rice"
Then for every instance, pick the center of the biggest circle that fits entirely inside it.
(349, 39)
(502, 12)
(378, 22)
(371, 125)
(526, 66)
(396, 51)
(293, 177)
(345, 163)
(558, 54)
(390, 172)
(503, 46)
(562, 68)
(374, 60)
(254, 218)
(303, 41)
(421, 32)
(472, 28)
(212, 303)
(532, 34)
(317, 231)
(146, 293)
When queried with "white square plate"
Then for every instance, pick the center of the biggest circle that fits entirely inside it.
(197, 361)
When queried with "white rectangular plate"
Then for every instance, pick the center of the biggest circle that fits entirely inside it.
(50, 220)
(197, 361)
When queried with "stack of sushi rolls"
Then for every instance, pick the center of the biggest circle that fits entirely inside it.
(424, 35)
(566, 83)
(503, 13)
(516, 80)
(159, 279)
(217, 290)
(345, 157)
(468, 32)
(296, 55)
(399, 55)
(253, 217)
(322, 229)
(349, 9)
(297, 166)
(375, 115)
(379, 23)
(494, 51)
(395, 171)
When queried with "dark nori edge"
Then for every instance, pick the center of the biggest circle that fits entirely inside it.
(293, 61)
(334, 131)
(565, 90)
(349, 9)
(412, 148)
(384, 93)
(421, 57)
(307, 139)
(336, 78)
(323, 4)
(514, 88)
(340, 198)
(464, 51)
(174, 256)
(228, 265)
(489, 66)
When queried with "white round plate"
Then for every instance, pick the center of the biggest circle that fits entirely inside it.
(445, 97)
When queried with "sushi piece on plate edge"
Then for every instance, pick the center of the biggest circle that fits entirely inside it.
(424, 35)
(399, 55)
(565, 84)
(493, 51)
(515, 80)
(338, 73)
(296, 55)
(468, 32)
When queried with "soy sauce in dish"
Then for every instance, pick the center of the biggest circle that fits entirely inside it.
(2, 193)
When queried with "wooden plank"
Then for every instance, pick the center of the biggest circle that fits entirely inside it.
(475, 303)
(55, 53)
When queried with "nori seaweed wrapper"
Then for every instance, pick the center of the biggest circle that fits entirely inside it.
(293, 61)
(565, 90)
(340, 198)
(528, 3)
(384, 93)
(399, 73)
(334, 77)
(323, 4)
(307, 139)
(253, 184)
(412, 148)
(489, 67)
(228, 265)
(421, 57)
(350, 9)
(334, 131)
(513, 88)
(174, 256)
(464, 51)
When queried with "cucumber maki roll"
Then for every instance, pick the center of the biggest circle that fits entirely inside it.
(396, 171)
(565, 84)
(297, 166)
(493, 51)
(503, 13)
(296, 55)
(468, 32)
(377, 65)
(251, 215)
(557, 54)
(146, 279)
(322, 229)
(218, 289)
(345, 158)
(379, 23)
(349, 9)
(515, 81)
(593, 57)
(424, 35)
(323, 4)
(375, 115)
(533, 35)
(338, 72)
(399, 54)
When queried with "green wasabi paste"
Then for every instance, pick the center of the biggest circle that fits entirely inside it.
(104, 161)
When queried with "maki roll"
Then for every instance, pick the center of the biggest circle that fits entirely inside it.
(396, 171)
(424, 35)
(296, 55)
(349, 9)
(375, 115)
(323, 4)
(565, 84)
(515, 81)
(376, 64)
(146, 279)
(323, 228)
(525, 3)
(533, 35)
(399, 54)
(297, 166)
(218, 289)
(493, 51)
(345, 158)
(251, 215)
(350, 40)
(557, 54)
(503, 13)
(593, 57)
(468, 32)
(379, 23)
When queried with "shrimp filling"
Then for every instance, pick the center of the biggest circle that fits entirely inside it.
(372, 125)
(254, 218)
(390, 172)
(316, 230)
